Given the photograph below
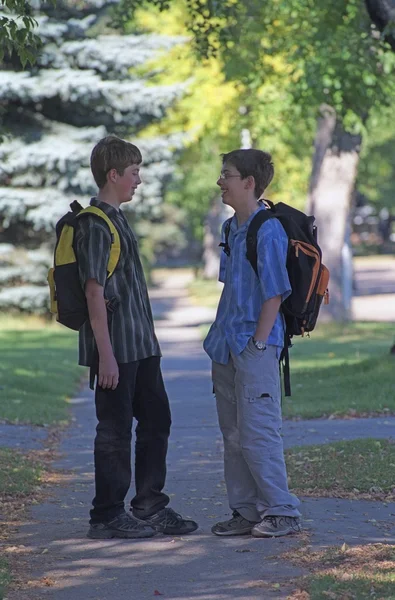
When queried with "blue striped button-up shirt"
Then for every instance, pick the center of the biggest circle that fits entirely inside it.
(244, 293)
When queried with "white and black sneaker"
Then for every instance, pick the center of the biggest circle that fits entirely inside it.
(272, 526)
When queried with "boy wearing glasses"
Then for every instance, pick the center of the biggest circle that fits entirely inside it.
(244, 344)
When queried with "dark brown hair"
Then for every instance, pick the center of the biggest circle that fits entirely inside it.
(253, 162)
(112, 153)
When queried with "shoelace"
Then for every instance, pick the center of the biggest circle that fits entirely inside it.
(276, 522)
(126, 522)
(171, 517)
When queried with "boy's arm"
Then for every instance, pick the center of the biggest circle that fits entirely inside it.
(93, 243)
(108, 374)
(267, 318)
(273, 276)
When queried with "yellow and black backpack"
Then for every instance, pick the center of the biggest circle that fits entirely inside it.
(68, 301)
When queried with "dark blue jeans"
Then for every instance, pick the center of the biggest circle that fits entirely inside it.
(140, 394)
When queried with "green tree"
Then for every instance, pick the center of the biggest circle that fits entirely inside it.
(84, 85)
(17, 35)
(376, 173)
(215, 113)
(336, 68)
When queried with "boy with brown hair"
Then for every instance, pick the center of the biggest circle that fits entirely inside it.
(245, 344)
(122, 349)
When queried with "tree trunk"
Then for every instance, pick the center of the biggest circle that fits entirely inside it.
(335, 165)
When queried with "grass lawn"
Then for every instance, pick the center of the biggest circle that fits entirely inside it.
(38, 370)
(343, 573)
(356, 469)
(18, 473)
(342, 370)
(4, 577)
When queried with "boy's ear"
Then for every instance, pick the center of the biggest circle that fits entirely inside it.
(250, 182)
(112, 175)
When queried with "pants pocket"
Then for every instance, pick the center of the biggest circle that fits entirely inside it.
(261, 392)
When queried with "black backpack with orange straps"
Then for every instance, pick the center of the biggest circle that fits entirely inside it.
(307, 274)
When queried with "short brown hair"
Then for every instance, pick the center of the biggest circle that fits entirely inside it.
(253, 162)
(112, 153)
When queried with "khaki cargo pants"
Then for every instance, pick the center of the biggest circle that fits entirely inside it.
(248, 396)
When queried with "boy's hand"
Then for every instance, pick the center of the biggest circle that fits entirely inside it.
(108, 375)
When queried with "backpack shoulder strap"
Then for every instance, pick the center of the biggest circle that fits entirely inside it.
(225, 245)
(252, 236)
(115, 250)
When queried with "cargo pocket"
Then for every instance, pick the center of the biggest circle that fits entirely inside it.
(262, 420)
(261, 392)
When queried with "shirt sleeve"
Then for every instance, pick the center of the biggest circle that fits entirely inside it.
(92, 246)
(272, 258)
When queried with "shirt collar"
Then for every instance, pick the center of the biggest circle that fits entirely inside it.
(245, 225)
(106, 208)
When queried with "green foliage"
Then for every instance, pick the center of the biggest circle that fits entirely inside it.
(376, 174)
(330, 51)
(161, 236)
(17, 31)
(283, 60)
(214, 112)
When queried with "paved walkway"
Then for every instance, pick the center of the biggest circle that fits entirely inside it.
(374, 298)
(200, 566)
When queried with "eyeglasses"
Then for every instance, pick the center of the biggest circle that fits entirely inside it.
(227, 176)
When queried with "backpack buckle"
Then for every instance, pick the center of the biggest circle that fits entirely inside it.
(225, 247)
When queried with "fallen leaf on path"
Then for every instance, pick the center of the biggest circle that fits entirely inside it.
(156, 593)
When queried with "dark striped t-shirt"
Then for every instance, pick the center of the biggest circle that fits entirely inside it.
(131, 324)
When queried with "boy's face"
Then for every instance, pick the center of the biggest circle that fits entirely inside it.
(234, 189)
(127, 183)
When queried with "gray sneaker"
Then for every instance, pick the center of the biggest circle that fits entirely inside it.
(237, 525)
(123, 526)
(276, 527)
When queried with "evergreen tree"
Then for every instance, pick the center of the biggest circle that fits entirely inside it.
(84, 85)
